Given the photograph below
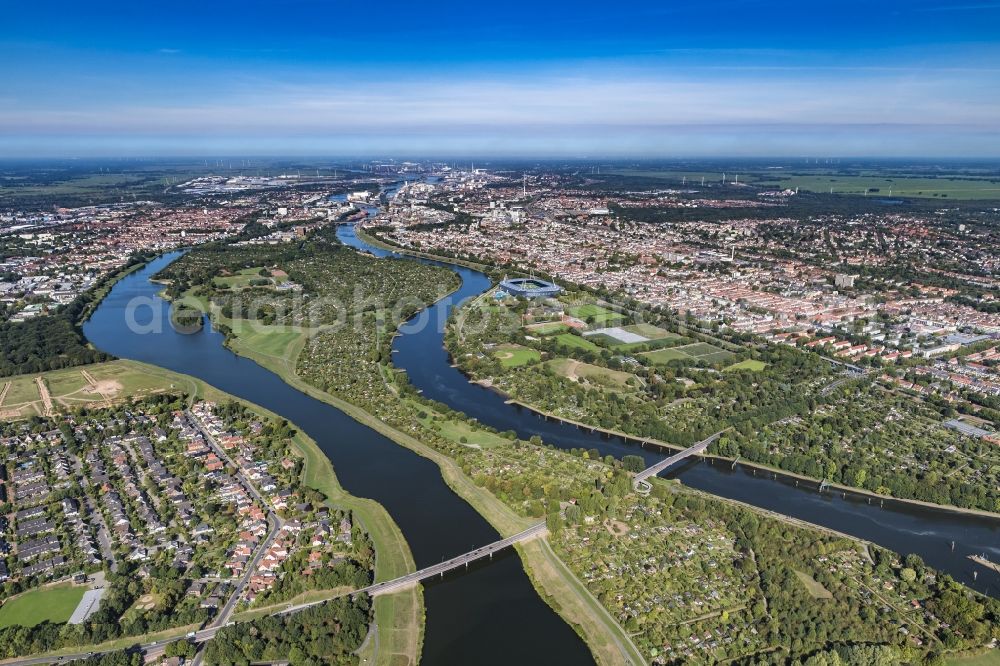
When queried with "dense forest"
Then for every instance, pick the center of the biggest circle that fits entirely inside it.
(325, 634)
(44, 343)
(55, 341)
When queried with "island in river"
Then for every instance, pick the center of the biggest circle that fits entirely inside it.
(512, 481)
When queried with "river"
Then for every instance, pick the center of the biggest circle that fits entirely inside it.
(488, 615)
(493, 604)
(900, 526)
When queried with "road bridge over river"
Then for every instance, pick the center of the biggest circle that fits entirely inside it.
(656, 468)
(389, 586)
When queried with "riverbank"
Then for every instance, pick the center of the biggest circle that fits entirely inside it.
(99, 292)
(398, 617)
(754, 467)
(277, 349)
(425, 349)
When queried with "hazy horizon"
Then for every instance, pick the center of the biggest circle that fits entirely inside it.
(740, 78)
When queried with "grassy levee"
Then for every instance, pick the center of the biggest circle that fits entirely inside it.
(399, 616)
(563, 591)
(607, 640)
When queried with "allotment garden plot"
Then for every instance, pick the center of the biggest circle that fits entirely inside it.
(646, 378)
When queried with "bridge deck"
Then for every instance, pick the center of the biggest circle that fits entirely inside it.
(653, 470)
(396, 584)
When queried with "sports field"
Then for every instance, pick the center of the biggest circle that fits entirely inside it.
(514, 356)
(547, 328)
(592, 311)
(570, 340)
(53, 604)
(699, 351)
(650, 332)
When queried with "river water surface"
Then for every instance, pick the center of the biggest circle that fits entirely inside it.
(900, 526)
(489, 615)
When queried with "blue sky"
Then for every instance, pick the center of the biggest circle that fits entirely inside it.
(644, 79)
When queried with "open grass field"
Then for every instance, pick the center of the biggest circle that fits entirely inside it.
(813, 586)
(607, 319)
(547, 328)
(588, 311)
(698, 351)
(53, 604)
(703, 351)
(82, 186)
(457, 431)
(650, 331)
(80, 386)
(22, 390)
(948, 188)
(749, 364)
(270, 340)
(570, 340)
(970, 187)
(277, 344)
(990, 658)
(577, 371)
(242, 279)
(514, 356)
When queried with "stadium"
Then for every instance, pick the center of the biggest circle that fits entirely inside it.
(530, 288)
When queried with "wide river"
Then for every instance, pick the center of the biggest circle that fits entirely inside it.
(903, 527)
(491, 614)
(488, 615)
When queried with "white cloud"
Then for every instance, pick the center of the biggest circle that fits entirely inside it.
(587, 110)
